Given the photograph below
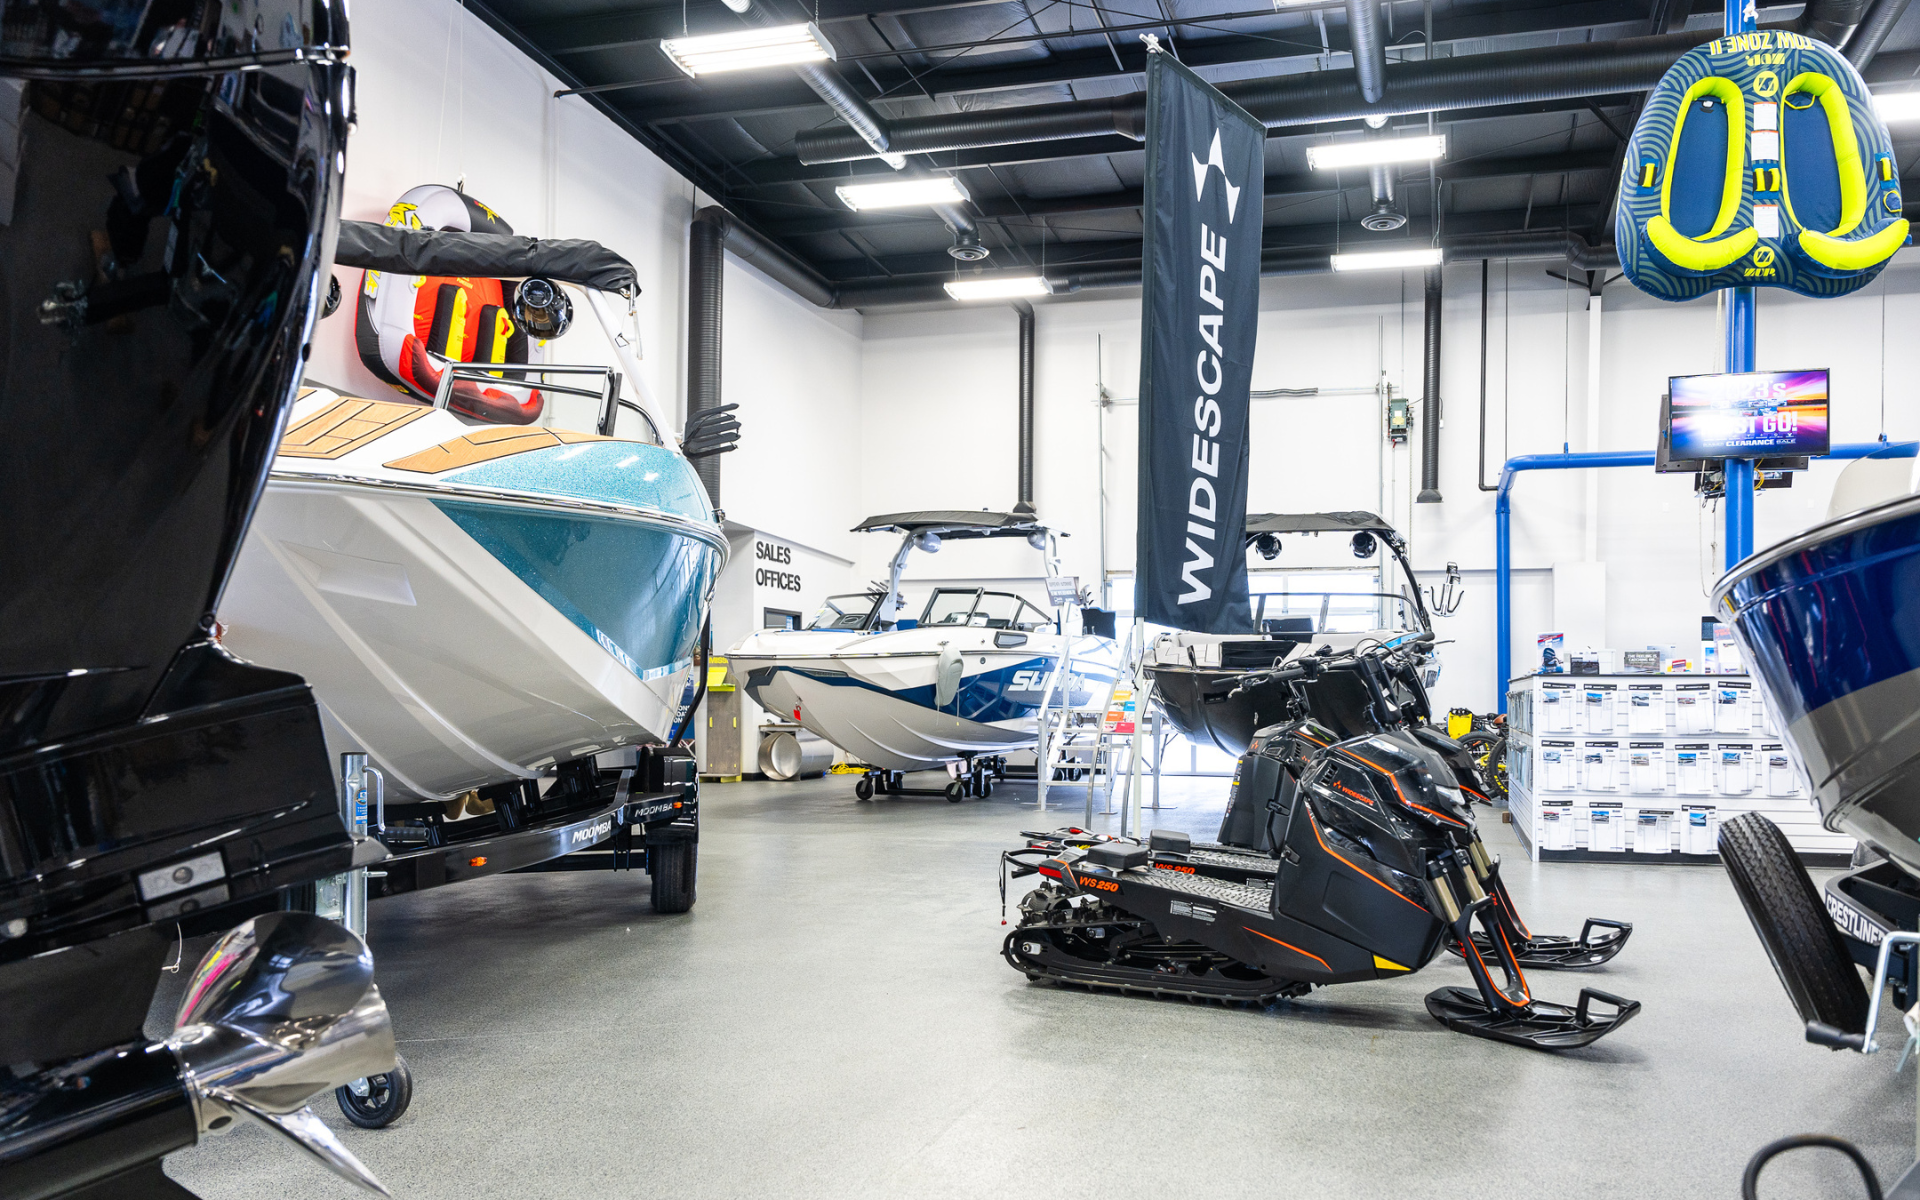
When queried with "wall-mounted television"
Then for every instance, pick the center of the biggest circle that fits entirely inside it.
(1754, 414)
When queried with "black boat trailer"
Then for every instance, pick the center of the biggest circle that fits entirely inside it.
(976, 778)
(643, 817)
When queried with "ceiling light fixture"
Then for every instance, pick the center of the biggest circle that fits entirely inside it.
(997, 287)
(1376, 151)
(1384, 260)
(902, 193)
(1897, 106)
(779, 45)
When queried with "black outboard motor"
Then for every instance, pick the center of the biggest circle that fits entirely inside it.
(169, 189)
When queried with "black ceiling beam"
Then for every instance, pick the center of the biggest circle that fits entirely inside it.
(1065, 258)
(1014, 208)
(737, 96)
(779, 172)
(566, 36)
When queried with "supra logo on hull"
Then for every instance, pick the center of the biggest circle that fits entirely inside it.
(593, 832)
(1852, 922)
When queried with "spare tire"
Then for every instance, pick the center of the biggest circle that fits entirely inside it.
(1781, 901)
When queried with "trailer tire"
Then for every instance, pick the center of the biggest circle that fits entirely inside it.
(387, 1097)
(673, 866)
(1800, 939)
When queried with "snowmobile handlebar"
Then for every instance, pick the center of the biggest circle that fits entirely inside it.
(1311, 666)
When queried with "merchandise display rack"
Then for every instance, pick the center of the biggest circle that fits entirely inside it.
(1630, 767)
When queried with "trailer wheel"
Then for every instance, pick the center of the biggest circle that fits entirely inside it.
(673, 866)
(378, 1100)
(863, 788)
(1779, 896)
(955, 790)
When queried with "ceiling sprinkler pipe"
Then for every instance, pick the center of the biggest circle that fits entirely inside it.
(1505, 77)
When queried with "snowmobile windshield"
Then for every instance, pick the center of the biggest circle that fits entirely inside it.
(852, 612)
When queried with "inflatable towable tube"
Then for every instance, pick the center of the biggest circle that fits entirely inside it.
(1758, 161)
(402, 321)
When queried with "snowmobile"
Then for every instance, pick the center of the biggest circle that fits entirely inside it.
(1335, 689)
(1375, 867)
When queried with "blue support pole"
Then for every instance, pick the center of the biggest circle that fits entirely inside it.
(1737, 311)
(1503, 523)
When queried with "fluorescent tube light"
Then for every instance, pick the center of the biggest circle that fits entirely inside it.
(1898, 106)
(746, 49)
(1374, 151)
(997, 287)
(902, 193)
(1380, 260)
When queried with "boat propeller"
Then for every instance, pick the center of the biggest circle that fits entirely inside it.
(281, 1009)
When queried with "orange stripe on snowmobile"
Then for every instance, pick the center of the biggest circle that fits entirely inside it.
(1297, 950)
(1395, 781)
(1314, 825)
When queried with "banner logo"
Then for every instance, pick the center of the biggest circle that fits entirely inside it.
(1214, 161)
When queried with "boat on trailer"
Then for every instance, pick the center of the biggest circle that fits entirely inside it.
(961, 685)
(1201, 680)
(488, 590)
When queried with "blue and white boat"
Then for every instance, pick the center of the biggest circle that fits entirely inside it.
(1830, 624)
(472, 601)
(963, 677)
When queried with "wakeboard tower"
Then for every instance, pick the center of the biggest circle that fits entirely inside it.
(1375, 867)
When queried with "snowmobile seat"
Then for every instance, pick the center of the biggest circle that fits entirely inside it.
(1170, 841)
(1117, 855)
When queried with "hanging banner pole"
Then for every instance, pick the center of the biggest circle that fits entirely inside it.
(1199, 315)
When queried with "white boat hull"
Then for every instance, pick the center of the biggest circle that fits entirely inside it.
(444, 629)
(874, 695)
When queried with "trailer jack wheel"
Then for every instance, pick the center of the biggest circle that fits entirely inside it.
(673, 866)
(378, 1100)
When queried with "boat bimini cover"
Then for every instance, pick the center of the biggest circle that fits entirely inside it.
(1758, 161)
(1328, 522)
(953, 523)
(403, 318)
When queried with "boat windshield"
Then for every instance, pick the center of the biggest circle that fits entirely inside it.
(850, 612)
(984, 609)
(1321, 611)
(571, 399)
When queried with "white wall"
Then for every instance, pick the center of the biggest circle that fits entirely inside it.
(938, 411)
(441, 97)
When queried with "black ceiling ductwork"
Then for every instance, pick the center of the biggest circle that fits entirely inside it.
(1503, 77)
(1832, 21)
(706, 294)
(1867, 40)
(1369, 54)
(1430, 400)
(1025, 504)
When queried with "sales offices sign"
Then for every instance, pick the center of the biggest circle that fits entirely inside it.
(1201, 273)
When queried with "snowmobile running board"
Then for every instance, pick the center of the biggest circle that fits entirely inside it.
(1534, 952)
(1111, 920)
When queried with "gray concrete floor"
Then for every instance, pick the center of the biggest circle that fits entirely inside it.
(833, 1019)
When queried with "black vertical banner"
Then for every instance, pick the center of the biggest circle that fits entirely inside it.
(1201, 272)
